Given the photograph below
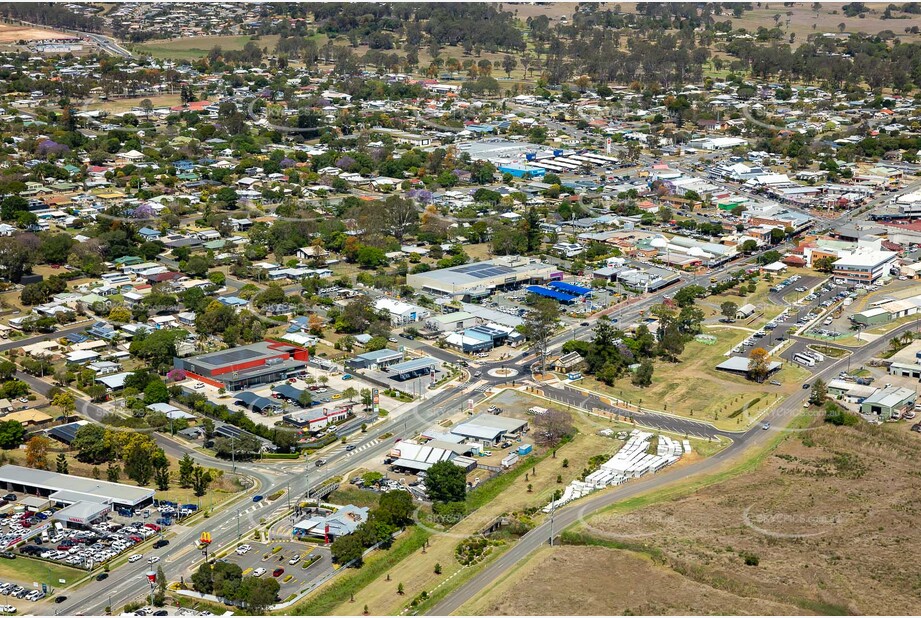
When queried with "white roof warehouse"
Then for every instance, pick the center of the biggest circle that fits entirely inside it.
(66, 488)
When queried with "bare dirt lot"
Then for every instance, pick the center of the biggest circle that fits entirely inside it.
(13, 34)
(821, 526)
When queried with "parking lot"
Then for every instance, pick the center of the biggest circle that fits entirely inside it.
(100, 543)
(275, 560)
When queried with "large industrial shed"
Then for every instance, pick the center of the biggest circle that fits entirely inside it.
(479, 279)
(68, 489)
(489, 428)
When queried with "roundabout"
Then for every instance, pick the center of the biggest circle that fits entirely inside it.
(502, 372)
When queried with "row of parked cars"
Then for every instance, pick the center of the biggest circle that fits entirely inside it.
(16, 525)
(19, 592)
(89, 548)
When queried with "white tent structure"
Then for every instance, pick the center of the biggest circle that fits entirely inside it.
(632, 461)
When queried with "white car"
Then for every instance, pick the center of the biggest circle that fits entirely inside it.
(135, 558)
(7, 609)
(153, 560)
(294, 560)
(259, 572)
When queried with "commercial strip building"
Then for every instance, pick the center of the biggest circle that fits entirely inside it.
(480, 279)
(245, 366)
(377, 359)
(85, 500)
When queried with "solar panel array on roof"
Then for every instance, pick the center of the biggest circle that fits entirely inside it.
(65, 433)
(569, 288)
(548, 293)
(483, 270)
(232, 356)
(228, 431)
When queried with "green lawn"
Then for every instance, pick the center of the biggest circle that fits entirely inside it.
(26, 570)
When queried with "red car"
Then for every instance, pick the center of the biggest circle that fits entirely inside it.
(153, 527)
(278, 572)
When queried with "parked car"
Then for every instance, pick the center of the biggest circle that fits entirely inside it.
(259, 572)
(278, 572)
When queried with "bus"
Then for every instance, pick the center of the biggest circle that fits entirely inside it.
(804, 360)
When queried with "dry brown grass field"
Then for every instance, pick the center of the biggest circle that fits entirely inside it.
(828, 517)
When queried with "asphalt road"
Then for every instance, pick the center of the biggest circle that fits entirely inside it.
(178, 558)
(755, 437)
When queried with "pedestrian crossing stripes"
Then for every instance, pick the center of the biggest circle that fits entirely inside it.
(363, 447)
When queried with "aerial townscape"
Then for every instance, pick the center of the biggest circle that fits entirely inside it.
(484, 308)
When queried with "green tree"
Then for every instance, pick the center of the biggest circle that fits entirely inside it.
(92, 444)
(446, 482)
(539, 326)
(60, 464)
(348, 548)
(819, 392)
(156, 392)
(729, 310)
(113, 473)
(7, 370)
(643, 375)
(201, 479)
(396, 508)
(161, 471)
(12, 434)
(202, 579)
(138, 455)
(259, 594)
(824, 264)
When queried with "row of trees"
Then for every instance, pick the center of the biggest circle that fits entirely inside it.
(226, 580)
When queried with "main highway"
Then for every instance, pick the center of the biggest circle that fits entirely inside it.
(743, 444)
